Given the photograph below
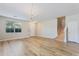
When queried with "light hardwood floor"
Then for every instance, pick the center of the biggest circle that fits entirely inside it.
(37, 46)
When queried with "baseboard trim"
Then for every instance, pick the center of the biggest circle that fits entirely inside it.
(74, 42)
(15, 38)
(43, 37)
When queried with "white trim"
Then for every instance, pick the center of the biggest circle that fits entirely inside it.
(19, 38)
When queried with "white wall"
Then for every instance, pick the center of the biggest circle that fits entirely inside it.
(3, 35)
(47, 28)
(32, 26)
(72, 22)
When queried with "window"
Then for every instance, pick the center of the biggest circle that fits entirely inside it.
(13, 27)
(17, 27)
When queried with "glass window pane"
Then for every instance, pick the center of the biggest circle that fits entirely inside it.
(17, 29)
(9, 29)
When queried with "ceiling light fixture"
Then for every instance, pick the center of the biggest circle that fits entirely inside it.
(31, 14)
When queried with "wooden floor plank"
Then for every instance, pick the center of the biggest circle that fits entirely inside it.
(37, 46)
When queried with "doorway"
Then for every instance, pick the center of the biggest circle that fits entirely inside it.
(60, 28)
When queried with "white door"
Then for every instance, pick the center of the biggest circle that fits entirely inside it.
(73, 31)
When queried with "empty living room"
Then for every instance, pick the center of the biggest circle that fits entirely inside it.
(39, 29)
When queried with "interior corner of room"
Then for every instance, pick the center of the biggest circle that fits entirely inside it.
(46, 29)
(58, 22)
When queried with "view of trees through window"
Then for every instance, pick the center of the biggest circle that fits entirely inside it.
(13, 27)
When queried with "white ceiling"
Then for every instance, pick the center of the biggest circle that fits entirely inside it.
(40, 11)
